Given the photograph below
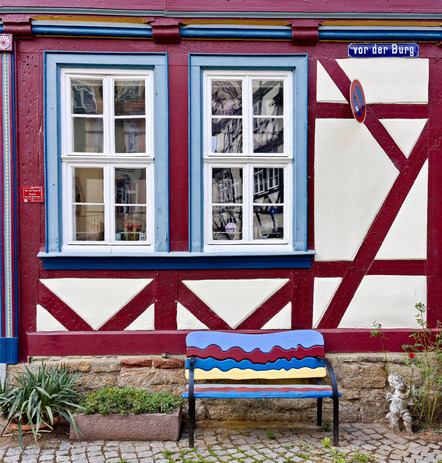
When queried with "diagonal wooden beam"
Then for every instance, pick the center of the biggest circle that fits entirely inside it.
(376, 235)
(409, 170)
(61, 311)
(131, 311)
(199, 309)
(267, 310)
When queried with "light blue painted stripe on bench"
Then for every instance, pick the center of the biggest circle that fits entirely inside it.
(249, 342)
(281, 364)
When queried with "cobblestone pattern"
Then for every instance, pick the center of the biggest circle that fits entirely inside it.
(359, 443)
(362, 380)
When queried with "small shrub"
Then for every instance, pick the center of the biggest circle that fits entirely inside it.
(327, 425)
(115, 400)
(424, 357)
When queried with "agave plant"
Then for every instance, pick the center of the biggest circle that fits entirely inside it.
(38, 398)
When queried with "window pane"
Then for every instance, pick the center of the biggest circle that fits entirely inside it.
(129, 97)
(88, 135)
(268, 185)
(88, 185)
(268, 98)
(130, 186)
(130, 223)
(227, 185)
(227, 136)
(87, 96)
(226, 97)
(268, 222)
(130, 136)
(268, 135)
(268, 199)
(89, 223)
(227, 223)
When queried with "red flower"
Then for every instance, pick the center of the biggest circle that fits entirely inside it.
(411, 355)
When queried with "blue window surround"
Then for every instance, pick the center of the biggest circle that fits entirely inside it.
(54, 62)
(53, 258)
(298, 65)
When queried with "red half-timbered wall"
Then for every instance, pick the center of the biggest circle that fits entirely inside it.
(168, 293)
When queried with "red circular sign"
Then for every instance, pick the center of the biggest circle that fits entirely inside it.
(357, 101)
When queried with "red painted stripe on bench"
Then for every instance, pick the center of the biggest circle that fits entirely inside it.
(256, 356)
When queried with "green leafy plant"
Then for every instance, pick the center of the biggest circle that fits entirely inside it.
(38, 398)
(112, 399)
(425, 361)
(424, 358)
(327, 425)
(326, 442)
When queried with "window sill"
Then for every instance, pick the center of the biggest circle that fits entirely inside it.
(173, 260)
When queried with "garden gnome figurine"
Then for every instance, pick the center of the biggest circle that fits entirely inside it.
(400, 400)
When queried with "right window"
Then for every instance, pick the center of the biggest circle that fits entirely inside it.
(248, 154)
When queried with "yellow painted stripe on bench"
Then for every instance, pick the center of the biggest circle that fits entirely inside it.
(238, 374)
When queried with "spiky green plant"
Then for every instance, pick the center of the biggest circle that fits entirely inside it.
(38, 398)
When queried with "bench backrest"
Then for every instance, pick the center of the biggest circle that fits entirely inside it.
(238, 356)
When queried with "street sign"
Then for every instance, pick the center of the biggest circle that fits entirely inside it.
(383, 50)
(357, 101)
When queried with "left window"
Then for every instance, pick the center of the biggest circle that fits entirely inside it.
(107, 162)
(107, 158)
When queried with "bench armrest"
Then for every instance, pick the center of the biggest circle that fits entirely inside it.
(331, 372)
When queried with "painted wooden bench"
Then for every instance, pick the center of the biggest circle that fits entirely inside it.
(292, 355)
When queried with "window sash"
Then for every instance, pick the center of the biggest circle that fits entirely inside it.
(247, 117)
(247, 205)
(109, 203)
(108, 116)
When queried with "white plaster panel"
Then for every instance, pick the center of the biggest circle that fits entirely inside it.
(326, 89)
(235, 300)
(185, 320)
(145, 322)
(281, 321)
(353, 176)
(46, 322)
(390, 80)
(96, 300)
(405, 132)
(386, 299)
(407, 238)
(324, 290)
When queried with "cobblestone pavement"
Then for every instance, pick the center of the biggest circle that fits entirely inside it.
(359, 443)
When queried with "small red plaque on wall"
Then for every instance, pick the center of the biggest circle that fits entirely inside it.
(32, 194)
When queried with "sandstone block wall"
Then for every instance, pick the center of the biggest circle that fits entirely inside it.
(362, 379)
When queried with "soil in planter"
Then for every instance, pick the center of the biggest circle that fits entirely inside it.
(47, 439)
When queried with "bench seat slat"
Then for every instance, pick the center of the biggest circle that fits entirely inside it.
(238, 374)
(256, 356)
(214, 391)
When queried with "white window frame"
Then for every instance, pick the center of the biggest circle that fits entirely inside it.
(248, 160)
(108, 160)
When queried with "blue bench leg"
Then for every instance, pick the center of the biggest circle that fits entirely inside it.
(319, 411)
(191, 422)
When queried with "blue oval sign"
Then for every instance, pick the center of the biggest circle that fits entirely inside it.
(357, 101)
